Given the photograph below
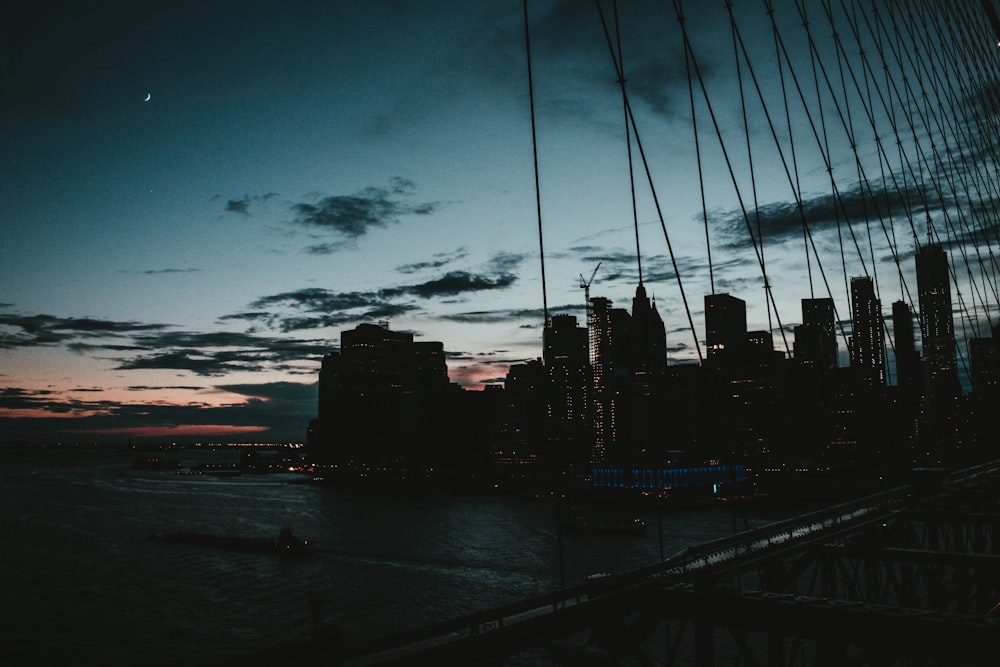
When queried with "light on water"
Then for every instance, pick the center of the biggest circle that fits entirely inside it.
(84, 567)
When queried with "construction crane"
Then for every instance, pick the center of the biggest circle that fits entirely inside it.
(585, 284)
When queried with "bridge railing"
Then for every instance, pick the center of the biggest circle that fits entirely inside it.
(742, 545)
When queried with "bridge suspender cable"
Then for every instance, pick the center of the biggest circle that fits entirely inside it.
(689, 51)
(750, 163)
(649, 179)
(534, 151)
(628, 141)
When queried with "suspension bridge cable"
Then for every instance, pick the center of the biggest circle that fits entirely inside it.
(750, 161)
(934, 172)
(864, 185)
(701, 175)
(722, 145)
(792, 180)
(628, 143)
(649, 178)
(970, 96)
(821, 141)
(975, 145)
(945, 129)
(796, 184)
(534, 148)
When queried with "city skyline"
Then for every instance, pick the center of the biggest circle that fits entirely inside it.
(199, 202)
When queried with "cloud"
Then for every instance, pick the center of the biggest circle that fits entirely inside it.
(21, 331)
(532, 315)
(134, 345)
(156, 272)
(346, 217)
(352, 216)
(276, 411)
(315, 308)
(782, 220)
(438, 261)
(241, 205)
(219, 353)
(458, 282)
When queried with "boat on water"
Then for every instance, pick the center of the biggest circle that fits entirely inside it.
(154, 463)
(606, 524)
(285, 543)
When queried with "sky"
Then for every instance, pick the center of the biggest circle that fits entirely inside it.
(198, 197)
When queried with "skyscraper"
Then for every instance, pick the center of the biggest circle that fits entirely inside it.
(629, 360)
(937, 325)
(725, 326)
(608, 346)
(649, 339)
(380, 393)
(815, 339)
(908, 376)
(867, 341)
(567, 369)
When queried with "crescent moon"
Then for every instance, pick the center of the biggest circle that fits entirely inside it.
(147, 97)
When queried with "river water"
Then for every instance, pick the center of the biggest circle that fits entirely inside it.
(83, 583)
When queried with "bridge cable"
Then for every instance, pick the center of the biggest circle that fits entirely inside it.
(689, 49)
(954, 235)
(534, 147)
(649, 178)
(866, 195)
(628, 141)
(946, 127)
(976, 145)
(750, 162)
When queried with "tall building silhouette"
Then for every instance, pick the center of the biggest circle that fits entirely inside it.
(649, 338)
(629, 360)
(867, 340)
(815, 338)
(984, 360)
(385, 401)
(937, 327)
(566, 358)
(908, 375)
(725, 327)
(608, 353)
(375, 358)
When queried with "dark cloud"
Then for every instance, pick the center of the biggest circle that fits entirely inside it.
(569, 39)
(783, 220)
(352, 216)
(459, 282)
(216, 354)
(507, 261)
(436, 262)
(315, 308)
(241, 205)
(528, 315)
(318, 308)
(181, 387)
(279, 411)
(34, 330)
(156, 272)
(133, 345)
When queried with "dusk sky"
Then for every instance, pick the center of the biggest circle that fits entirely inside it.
(197, 198)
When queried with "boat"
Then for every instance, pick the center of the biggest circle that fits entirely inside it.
(285, 543)
(155, 463)
(601, 523)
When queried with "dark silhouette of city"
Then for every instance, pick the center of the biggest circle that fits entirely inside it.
(603, 408)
